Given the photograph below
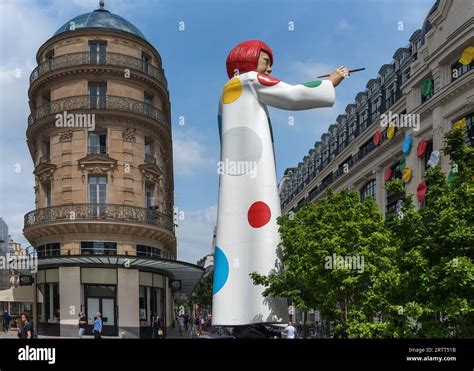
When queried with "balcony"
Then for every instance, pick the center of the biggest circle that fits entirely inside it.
(107, 102)
(98, 212)
(101, 59)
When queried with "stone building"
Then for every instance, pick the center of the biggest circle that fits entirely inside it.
(100, 138)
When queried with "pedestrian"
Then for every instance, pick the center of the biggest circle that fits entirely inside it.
(159, 327)
(299, 327)
(82, 324)
(186, 321)
(318, 329)
(26, 330)
(181, 325)
(154, 327)
(6, 321)
(97, 326)
(290, 331)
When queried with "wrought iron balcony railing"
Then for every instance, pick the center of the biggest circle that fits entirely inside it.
(108, 102)
(99, 212)
(108, 59)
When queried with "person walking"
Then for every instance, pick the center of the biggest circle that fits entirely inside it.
(181, 325)
(82, 324)
(98, 326)
(290, 331)
(6, 321)
(26, 330)
(159, 326)
(186, 321)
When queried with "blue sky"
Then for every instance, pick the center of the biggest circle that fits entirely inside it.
(326, 34)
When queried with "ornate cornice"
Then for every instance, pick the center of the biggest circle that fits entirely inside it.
(152, 173)
(97, 164)
(44, 172)
(128, 135)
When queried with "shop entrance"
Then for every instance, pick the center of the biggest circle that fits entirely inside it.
(101, 298)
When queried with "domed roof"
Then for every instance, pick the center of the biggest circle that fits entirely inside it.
(100, 18)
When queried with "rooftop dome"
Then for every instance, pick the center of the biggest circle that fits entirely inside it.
(100, 18)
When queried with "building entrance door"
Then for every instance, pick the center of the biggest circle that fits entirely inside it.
(99, 299)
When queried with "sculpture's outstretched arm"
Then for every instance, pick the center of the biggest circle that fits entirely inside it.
(276, 93)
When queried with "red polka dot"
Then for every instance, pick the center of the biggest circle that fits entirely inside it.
(259, 214)
(267, 80)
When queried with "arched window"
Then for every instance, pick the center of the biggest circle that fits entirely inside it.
(368, 190)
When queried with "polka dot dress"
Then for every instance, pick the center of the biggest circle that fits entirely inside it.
(247, 232)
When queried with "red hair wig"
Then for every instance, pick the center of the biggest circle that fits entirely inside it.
(244, 56)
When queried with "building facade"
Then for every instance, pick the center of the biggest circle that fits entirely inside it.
(99, 135)
(396, 126)
(4, 250)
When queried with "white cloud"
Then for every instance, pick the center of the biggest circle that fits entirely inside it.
(189, 155)
(195, 233)
(343, 25)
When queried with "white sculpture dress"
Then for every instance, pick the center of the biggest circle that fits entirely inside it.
(247, 232)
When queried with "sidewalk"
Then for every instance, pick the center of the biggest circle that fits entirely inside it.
(174, 334)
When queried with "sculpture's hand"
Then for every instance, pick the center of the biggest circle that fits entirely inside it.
(338, 75)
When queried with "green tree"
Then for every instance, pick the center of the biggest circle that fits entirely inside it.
(339, 225)
(202, 294)
(434, 295)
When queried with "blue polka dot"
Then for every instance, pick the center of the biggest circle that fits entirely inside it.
(221, 270)
(219, 124)
(407, 145)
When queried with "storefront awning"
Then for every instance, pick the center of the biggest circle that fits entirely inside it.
(22, 294)
(189, 274)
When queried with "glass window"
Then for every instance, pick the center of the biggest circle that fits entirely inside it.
(50, 249)
(368, 190)
(145, 62)
(97, 52)
(97, 189)
(143, 302)
(48, 302)
(149, 199)
(97, 95)
(97, 143)
(98, 248)
(47, 195)
(148, 104)
(148, 251)
(394, 198)
(429, 149)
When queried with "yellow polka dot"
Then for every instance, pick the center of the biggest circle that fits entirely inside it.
(406, 174)
(232, 91)
(390, 131)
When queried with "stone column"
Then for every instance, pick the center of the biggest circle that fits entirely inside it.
(128, 303)
(69, 300)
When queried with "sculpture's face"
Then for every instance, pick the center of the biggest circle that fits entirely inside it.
(264, 63)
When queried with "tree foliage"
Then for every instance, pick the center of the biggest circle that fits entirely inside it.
(418, 276)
